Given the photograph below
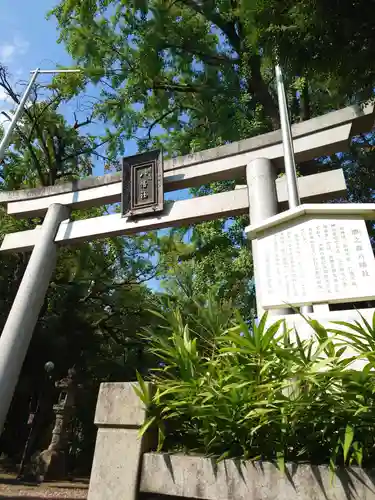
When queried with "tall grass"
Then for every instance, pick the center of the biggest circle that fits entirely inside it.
(228, 389)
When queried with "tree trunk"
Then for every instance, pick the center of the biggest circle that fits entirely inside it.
(260, 90)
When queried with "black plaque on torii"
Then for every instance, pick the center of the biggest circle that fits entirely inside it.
(142, 184)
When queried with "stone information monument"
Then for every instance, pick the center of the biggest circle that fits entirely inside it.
(315, 255)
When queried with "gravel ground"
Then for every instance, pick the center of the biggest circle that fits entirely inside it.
(10, 489)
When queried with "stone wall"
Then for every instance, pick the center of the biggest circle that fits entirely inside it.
(203, 478)
(125, 469)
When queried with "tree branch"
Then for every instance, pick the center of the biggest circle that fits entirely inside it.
(178, 88)
(256, 84)
(305, 102)
(260, 90)
(227, 28)
(160, 118)
(86, 151)
(50, 103)
(82, 124)
(31, 150)
(40, 137)
(208, 58)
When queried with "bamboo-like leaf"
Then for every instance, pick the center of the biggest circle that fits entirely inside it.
(332, 460)
(364, 409)
(323, 348)
(356, 342)
(237, 339)
(271, 332)
(301, 349)
(223, 456)
(156, 313)
(258, 330)
(258, 412)
(255, 429)
(146, 426)
(239, 350)
(173, 390)
(367, 324)
(350, 326)
(140, 394)
(340, 351)
(266, 366)
(358, 453)
(232, 390)
(143, 392)
(348, 439)
(322, 336)
(243, 326)
(161, 437)
(280, 461)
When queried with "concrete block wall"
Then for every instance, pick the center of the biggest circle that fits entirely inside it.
(125, 469)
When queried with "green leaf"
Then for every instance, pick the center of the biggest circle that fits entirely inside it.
(144, 392)
(348, 439)
(146, 425)
(358, 453)
(340, 351)
(280, 461)
(161, 437)
(224, 456)
(271, 332)
(370, 330)
(357, 328)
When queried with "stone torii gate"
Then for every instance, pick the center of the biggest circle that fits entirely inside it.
(255, 161)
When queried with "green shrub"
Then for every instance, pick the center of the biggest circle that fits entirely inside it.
(259, 392)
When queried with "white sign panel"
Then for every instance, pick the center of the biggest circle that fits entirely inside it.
(317, 261)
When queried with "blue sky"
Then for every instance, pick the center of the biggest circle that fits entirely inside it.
(26, 38)
(28, 41)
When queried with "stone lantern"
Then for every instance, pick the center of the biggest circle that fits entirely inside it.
(53, 459)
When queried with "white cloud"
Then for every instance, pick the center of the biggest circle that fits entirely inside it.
(9, 50)
(4, 96)
(6, 52)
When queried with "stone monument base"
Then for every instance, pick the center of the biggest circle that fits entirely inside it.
(51, 465)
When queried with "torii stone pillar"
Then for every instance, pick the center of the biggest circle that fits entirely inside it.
(261, 184)
(19, 327)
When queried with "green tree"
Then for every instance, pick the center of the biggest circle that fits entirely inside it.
(97, 300)
(45, 148)
(185, 68)
(191, 75)
(211, 258)
(203, 71)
